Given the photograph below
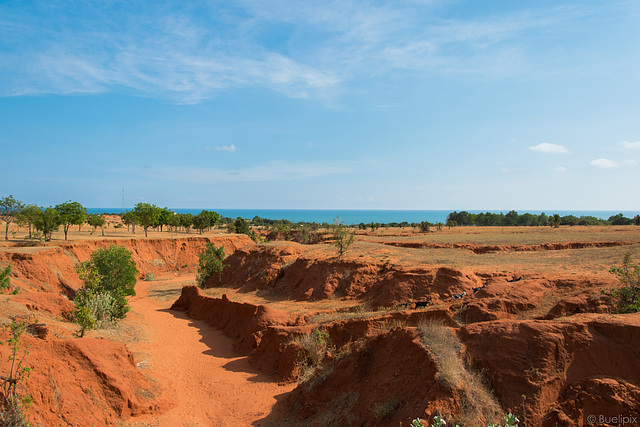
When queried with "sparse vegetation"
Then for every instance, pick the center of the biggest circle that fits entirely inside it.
(626, 299)
(343, 237)
(210, 262)
(5, 280)
(476, 401)
(13, 404)
(386, 409)
(315, 345)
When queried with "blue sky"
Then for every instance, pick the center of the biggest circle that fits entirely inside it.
(350, 104)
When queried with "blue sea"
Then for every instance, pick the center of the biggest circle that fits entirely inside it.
(365, 216)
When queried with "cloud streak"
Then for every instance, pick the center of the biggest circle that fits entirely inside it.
(230, 148)
(272, 172)
(611, 164)
(189, 53)
(547, 148)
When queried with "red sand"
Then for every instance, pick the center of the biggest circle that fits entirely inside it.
(212, 385)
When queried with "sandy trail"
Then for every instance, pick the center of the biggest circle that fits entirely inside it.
(211, 384)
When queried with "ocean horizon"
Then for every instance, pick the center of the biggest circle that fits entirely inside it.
(354, 216)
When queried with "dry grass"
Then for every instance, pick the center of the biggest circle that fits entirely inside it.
(315, 345)
(476, 401)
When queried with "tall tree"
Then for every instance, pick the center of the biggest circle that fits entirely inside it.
(28, 215)
(48, 221)
(9, 209)
(147, 215)
(96, 220)
(130, 219)
(202, 221)
(71, 213)
(164, 218)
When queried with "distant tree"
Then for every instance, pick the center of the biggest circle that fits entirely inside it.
(202, 221)
(96, 220)
(620, 219)
(511, 218)
(28, 216)
(636, 220)
(241, 226)
(71, 213)
(164, 218)
(175, 220)
(9, 209)
(543, 219)
(130, 219)
(342, 236)
(147, 215)
(439, 226)
(214, 218)
(186, 221)
(424, 226)
(48, 221)
(554, 221)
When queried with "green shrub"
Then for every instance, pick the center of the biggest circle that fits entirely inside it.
(627, 298)
(94, 306)
(112, 272)
(210, 261)
(13, 405)
(5, 281)
(149, 277)
(343, 237)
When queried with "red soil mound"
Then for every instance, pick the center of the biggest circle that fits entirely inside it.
(560, 372)
(295, 272)
(73, 377)
(242, 321)
(388, 379)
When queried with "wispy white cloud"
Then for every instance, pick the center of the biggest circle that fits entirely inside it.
(190, 53)
(546, 147)
(631, 145)
(560, 169)
(231, 148)
(271, 171)
(612, 164)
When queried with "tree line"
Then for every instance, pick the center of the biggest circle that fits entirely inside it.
(512, 218)
(50, 219)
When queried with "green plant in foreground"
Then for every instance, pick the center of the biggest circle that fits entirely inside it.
(93, 305)
(210, 261)
(4, 277)
(627, 298)
(13, 405)
(510, 420)
(343, 237)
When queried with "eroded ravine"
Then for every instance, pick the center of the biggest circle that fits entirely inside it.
(211, 384)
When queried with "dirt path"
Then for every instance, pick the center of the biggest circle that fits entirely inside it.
(213, 385)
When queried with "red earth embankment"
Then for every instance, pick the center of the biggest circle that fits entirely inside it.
(52, 268)
(560, 372)
(298, 272)
(85, 381)
(483, 249)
